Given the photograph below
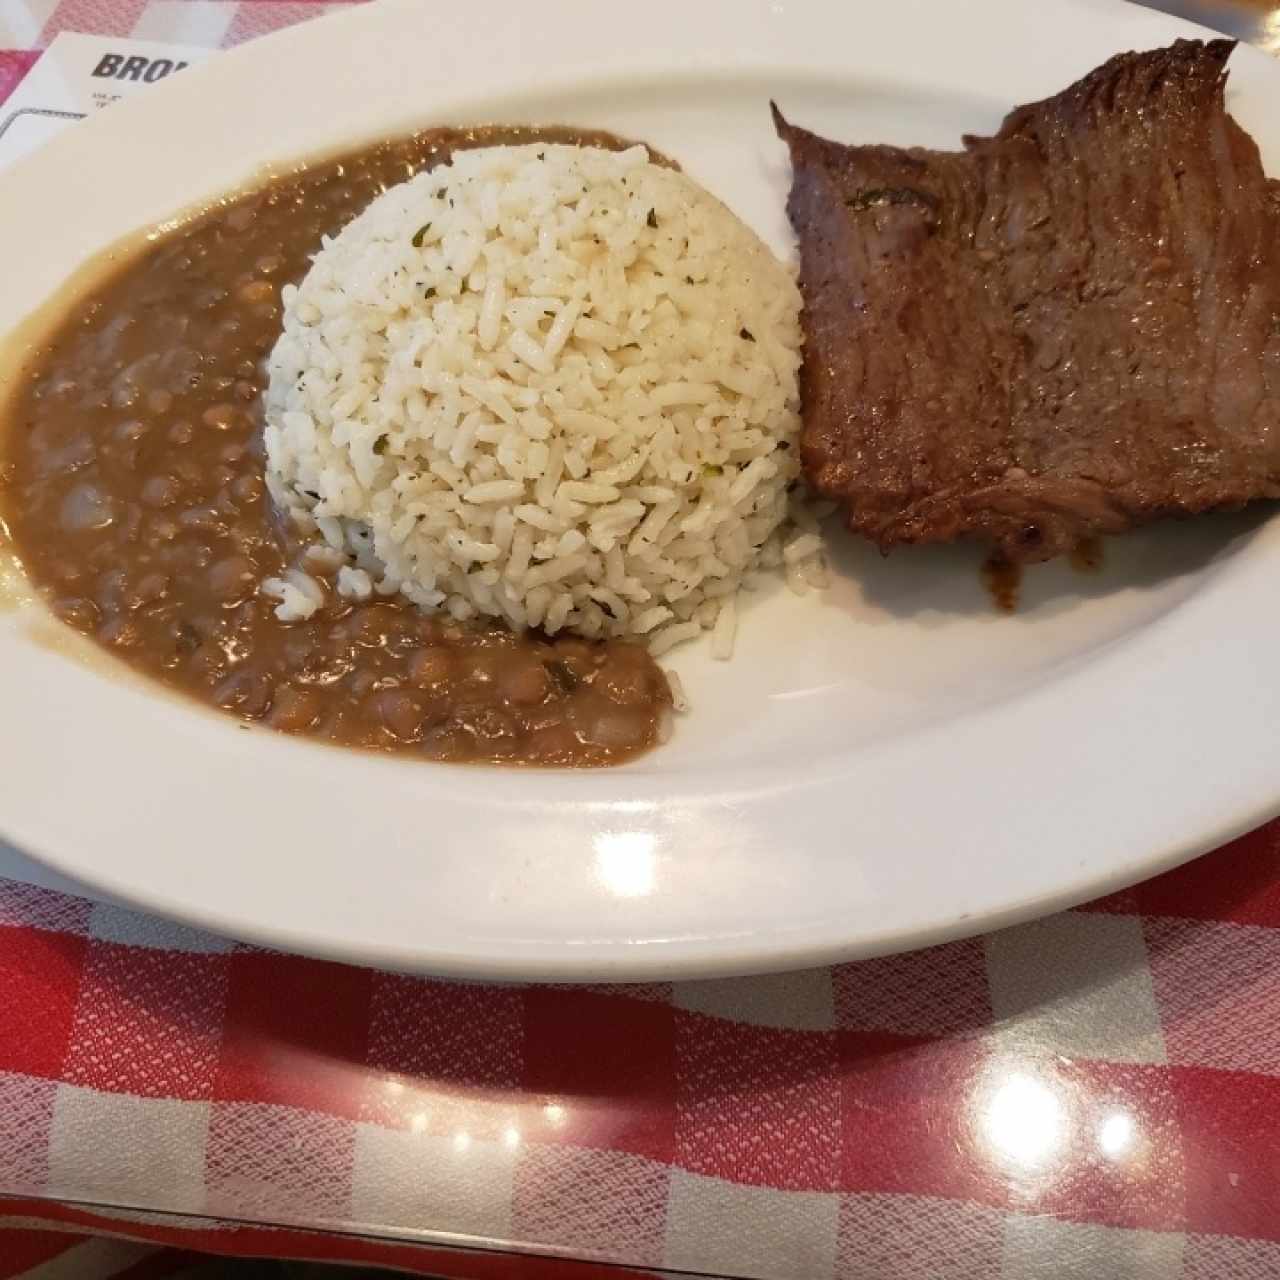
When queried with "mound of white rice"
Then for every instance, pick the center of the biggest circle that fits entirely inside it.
(549, 384)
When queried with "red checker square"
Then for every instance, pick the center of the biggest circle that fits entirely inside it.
(461, 1033)
(149, 1022)
(25, 1250)
(1238, 883)
(907, 1118)
(603, 1069)
(661, 991)
(296, 1033)
(757, 1105)
(102, 17)
(259, 17)
(941, 990)
(1231, 1150)
(14, 64)
(1117, 1160)
(441, 1110)
(448, 1055)
(1215, 985)
(40, 978)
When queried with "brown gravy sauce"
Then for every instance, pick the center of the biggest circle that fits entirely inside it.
(1087, 556)
(1003, 581)
(15, 589)
(132, 493)
(1003, 578)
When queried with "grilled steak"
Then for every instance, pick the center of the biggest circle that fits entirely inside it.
(1067, 329)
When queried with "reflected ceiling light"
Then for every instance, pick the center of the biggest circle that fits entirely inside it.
(1115, 1134)
(626, 862)
(1024, 1120)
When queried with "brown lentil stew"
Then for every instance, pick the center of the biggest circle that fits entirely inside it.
(131, 478)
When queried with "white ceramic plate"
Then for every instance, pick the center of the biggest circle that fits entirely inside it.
(881, 768)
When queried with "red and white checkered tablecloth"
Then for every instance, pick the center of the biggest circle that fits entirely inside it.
(1093, 1096)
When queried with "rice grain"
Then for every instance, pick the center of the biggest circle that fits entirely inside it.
(517, 386)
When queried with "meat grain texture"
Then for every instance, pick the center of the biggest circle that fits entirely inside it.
(1068, 329)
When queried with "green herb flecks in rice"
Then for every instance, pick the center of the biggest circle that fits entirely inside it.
(513, 415)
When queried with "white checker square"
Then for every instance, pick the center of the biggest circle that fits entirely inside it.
(271, 1163)
(1046, 1246)
(34, 907)
(185, 21)
(593, 1203)
(26, 1120)
(125, 1150)
(420, 1180)
(22, 22)
(110, 923)
(796, 1001)
(720, 1228)
(900, 1237)
(1219, 1257)
(1076, 984)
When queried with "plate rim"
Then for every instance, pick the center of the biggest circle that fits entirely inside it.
(637, 948)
